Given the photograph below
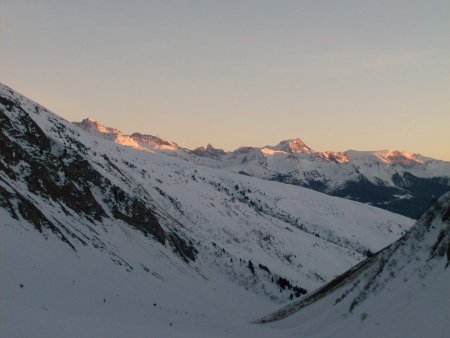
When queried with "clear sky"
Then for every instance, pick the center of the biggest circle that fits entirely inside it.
(338, 74)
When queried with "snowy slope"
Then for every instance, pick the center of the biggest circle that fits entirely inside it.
(94, 233)
(403, 291)
(402, 182)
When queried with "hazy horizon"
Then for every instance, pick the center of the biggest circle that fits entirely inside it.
(338, 75)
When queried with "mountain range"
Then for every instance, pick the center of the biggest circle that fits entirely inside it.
(110, 235)
(402, 182)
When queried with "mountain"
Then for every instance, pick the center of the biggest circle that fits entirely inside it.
(401, 182)
(400, 292)
(136, 140)
(289, 146)
(107, 240)
(209, 152)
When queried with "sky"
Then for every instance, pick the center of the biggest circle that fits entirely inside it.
(365, 75)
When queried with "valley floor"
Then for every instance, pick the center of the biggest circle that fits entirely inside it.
(58, 293)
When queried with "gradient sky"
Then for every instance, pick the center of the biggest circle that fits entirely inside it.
(338, 74)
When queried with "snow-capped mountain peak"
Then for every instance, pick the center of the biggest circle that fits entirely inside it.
(292, 146)
(390, 179)
(395, 157)
(92, 125)
(154, 142)
(136, 140)
(338, 157)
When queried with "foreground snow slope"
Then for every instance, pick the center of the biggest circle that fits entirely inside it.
(403, 291)
(93, 234)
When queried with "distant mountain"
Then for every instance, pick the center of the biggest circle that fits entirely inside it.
(106, 239)
(136, 140)
(209, 151)
(293, 146)
(400, 292)
(401, 182)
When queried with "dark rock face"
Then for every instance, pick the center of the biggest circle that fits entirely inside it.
(63, 176)
(182, 248)
(5, 202)
(29, 212)
(44, 170)
(33, 215)
(135, 213)
(30, 131)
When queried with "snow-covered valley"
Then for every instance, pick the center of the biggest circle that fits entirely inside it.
(100, 239)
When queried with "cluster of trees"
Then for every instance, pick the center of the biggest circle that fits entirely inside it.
(282, 282)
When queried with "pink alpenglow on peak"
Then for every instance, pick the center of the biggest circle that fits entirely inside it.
(338, 157)
(291, 146)
(393, 157)
(155, 142)
(92, 125)
(136, 140)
